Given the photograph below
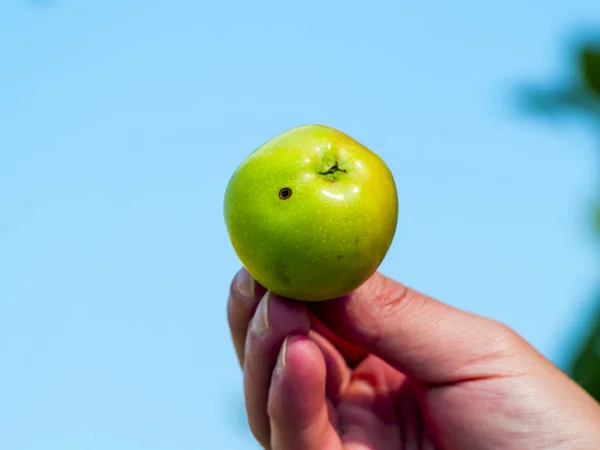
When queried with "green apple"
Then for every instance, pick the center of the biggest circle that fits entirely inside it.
(311, 213)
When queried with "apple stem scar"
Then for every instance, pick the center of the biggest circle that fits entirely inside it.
(333, 171)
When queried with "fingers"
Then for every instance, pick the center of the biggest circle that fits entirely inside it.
(244, 296)
(256, 339)
(421, 336)
(273, 321)
(300, 417)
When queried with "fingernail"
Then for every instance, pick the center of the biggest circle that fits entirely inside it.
(244, 284)
(281, 359)
(260, 322)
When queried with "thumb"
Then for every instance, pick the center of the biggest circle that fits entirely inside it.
(423, 337)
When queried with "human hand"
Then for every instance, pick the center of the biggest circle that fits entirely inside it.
(386, 367)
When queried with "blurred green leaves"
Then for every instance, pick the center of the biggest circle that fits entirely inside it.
(590, 66)
(579, 93)
(586, 367)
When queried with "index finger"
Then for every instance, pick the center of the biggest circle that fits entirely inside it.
(244, 295)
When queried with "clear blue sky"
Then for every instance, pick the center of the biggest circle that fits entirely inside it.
(121, 122)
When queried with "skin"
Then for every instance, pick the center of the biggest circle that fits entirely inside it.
(311, 245)
(386, 367)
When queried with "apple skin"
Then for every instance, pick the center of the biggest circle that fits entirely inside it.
(334, 230)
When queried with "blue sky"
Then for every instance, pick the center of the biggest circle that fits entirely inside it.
(121, 122)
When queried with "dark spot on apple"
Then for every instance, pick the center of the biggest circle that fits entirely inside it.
(281, 272)
(285, 193)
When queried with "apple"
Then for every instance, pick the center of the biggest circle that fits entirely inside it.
(311, 213)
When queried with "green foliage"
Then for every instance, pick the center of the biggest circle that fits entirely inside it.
(581, 94)
(590, 66)
(586, 368)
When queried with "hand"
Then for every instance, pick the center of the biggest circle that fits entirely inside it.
(389, 368)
